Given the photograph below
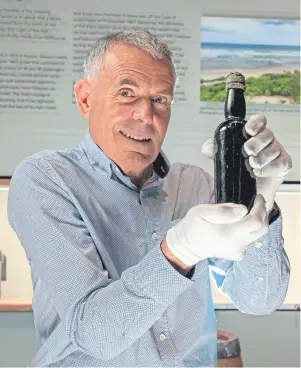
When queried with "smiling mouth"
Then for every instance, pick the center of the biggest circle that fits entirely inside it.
(135, 138)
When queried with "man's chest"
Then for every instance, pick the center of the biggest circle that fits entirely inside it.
(126, 224)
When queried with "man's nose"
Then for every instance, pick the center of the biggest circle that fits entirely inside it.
(143, 110)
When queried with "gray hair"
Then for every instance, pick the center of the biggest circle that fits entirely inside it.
(141, 39)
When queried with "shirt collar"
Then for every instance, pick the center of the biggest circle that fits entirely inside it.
(99, 160)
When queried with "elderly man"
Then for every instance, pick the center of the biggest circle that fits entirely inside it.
(120, 242)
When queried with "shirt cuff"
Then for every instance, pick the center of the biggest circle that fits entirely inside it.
(189, 274)
(157, 278)
(274, 214)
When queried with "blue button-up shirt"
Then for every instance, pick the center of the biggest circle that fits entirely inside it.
(104, 293)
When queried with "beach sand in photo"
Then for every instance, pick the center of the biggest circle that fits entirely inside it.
(209, 77)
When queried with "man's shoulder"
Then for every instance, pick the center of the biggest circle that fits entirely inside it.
(75, 152)
(47, 161)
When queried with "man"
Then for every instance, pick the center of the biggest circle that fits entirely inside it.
(119, 242)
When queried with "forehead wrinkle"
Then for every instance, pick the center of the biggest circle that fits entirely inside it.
(137, 79)
(125, 66)
(122, 74)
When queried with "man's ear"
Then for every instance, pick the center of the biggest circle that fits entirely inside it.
(82, 91)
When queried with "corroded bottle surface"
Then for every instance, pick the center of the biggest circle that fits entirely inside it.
(233, 181)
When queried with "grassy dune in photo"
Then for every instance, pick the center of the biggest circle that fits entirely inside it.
(271, 87)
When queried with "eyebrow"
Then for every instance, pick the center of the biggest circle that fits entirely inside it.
(130, 82)
(166, 92)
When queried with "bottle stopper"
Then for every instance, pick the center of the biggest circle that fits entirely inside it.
(235, 80)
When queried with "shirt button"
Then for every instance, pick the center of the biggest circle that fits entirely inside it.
(162, 337)
(258, 244)
(259, 278)
(154, 235)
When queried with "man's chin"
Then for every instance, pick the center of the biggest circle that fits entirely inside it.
(135, 162)
(137, 158)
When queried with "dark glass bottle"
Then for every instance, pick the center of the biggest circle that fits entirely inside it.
(233, 181)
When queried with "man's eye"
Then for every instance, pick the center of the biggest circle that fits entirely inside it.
(125, 93)
(160, 100)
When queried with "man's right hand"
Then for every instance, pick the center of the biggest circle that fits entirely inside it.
(218, 231)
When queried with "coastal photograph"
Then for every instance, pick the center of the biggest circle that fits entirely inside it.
(266, 52)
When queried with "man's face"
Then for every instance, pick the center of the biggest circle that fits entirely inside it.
(131, 96)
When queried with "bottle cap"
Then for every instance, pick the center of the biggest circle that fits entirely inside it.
(235, 80)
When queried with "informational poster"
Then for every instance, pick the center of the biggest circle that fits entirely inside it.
(43, 49)
(267, 53)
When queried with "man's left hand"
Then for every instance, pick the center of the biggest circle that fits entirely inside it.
(267, 159)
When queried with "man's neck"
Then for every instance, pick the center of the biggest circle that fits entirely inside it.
(139, 180)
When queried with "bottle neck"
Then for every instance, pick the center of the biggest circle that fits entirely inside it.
(235, 104)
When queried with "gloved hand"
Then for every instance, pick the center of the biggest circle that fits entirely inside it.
(217, 230)
(267, 159)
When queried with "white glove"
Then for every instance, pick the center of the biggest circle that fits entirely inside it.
(267, 159)
(217, 230)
